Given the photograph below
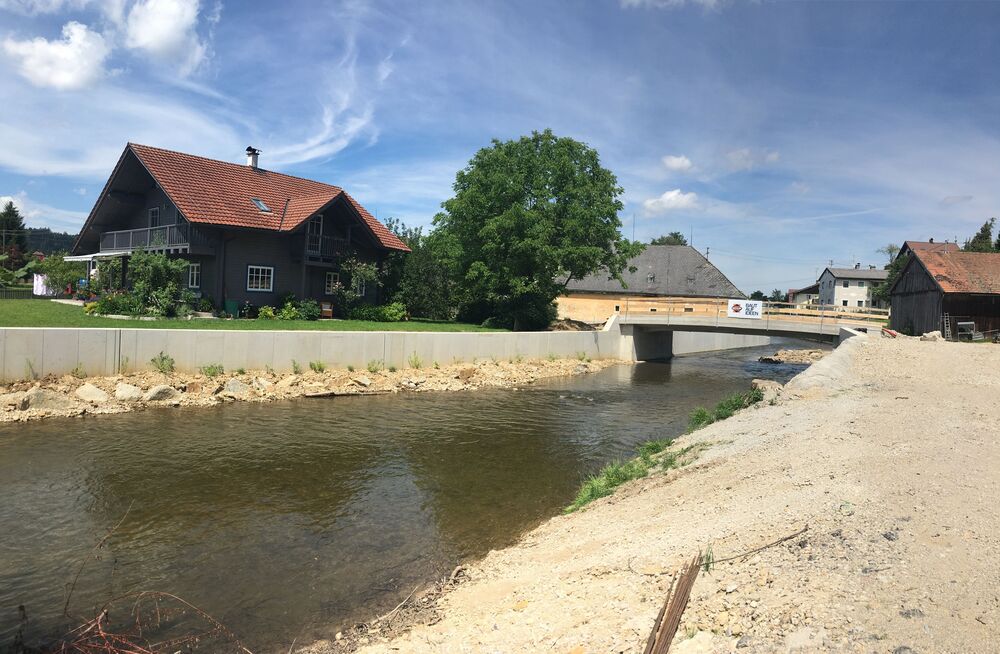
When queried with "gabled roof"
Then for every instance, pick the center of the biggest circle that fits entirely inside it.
(814, 288)
(677, 271)
(876, 274)
(962, 272)
(215, 192)
(926, 246)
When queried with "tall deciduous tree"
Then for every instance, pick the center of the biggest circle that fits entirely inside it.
(673, 238)
(890, 251)
(421, 278)
(528, 216)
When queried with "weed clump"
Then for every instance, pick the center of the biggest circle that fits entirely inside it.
(702, 417)
(163, 363)
(317, 366)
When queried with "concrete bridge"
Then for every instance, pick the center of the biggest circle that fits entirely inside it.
(651, 323)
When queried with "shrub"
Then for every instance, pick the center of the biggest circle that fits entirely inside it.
(78, 371)
(248, 310)
(265, 313)
(415, 361)
(309, 310)
(163, 363)
(296, 368)
(289, 312)
(241, 371)
(90, 307)
(212, 370)
(205, 304)
(317, 366)
(350, 368)
(392, 368)
(374, 366)
(393, 312)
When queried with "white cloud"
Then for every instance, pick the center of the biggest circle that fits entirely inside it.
(747, 159)
(670, 201)
(80, 190)
(677, 163)
(34, 7)
(166, 30)
(74, 62)
(37, 214)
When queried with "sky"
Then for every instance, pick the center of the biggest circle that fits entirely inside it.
(779, 136)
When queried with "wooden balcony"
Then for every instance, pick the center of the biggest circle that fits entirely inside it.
(324, 249)
(172, 239)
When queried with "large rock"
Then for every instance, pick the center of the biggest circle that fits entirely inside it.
(160, 393)
(127, 392)
(236, 387)
(362, 381)
(931, 336)
(11, 400)
(43, 399)
(770, 389)
(90, 393)
(287, 382)
(262, 384)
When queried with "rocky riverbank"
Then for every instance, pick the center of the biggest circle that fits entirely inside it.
(72, 396)
(881, 460)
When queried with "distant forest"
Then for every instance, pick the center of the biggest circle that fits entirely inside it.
(43, 239)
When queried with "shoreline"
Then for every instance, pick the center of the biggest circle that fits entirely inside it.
(69, 396)
(889, 548)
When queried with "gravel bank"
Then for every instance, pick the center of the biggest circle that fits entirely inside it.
(70, 396)
(887, 451)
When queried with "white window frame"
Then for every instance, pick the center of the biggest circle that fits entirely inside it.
(261, 273)
(359, 287)
(150, 213)
(847, 283)
(194, 274)
(332, 279)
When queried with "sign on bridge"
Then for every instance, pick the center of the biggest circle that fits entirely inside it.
(745, 309)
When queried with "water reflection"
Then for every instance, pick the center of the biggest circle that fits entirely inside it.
(289, 519)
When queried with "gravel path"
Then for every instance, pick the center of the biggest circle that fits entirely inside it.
(887, 450)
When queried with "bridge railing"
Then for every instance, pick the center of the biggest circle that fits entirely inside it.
(715, 310)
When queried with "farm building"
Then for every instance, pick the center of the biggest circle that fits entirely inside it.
(964, 286)
(661, 272)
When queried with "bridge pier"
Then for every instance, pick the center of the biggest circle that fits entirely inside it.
(644, 344)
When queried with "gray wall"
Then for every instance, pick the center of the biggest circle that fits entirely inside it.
(109, 351)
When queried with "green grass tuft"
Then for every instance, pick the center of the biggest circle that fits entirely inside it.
(212, 370)
(702, 417)
(317, 366)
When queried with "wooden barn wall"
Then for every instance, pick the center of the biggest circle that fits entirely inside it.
(916, 302)
(984, 310)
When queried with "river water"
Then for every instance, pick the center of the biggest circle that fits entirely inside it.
(287, 521)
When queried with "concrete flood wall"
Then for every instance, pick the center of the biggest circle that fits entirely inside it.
(35, 352)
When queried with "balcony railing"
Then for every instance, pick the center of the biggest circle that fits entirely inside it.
(148, 238)
(324, 247)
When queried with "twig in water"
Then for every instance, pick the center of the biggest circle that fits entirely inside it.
(99, 545)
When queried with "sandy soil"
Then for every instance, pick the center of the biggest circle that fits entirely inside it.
(886, 451)
(193, 390)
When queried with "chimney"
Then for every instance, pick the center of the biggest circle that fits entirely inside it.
(857, 266)
(931, 240)
(252, 154)
(871, 267)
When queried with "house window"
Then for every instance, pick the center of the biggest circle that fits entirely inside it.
(861, 303)
(260, 278)
(847, 283)
(194, 275)
(650, 278)
(618, 308)
(359, 287)
(314, 234)
(154, 217)
(844, 302)
(257, 202)
(332, 282)
(861, 284)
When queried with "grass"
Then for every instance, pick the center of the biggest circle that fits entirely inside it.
(45, 313)
(415, 361)
(317, 366)
(702, 417)
(374, 366)
(296, 367)
(212, 370)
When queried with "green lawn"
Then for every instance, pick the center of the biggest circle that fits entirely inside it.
(45, 313)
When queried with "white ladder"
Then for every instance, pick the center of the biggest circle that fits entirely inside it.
(946, 319)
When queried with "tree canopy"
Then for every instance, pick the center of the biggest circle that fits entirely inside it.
(982, 241)
(528, 216)
(673, 238)
(13, 238)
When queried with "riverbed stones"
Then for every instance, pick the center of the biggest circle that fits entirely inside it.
(286, 383)
(236, 387)
(465, 374)
(127, 392)
(90, 393)
(43, 399)
(361, 381)
(11, 400)
(262, 384)
(161, 393)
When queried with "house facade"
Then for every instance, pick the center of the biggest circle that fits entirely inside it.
(962, 286)
(248, 234)
(661, 271)
(850, 287)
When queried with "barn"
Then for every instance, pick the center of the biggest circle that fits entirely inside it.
(964, 286)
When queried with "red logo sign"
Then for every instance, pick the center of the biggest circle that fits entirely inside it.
(736, 308)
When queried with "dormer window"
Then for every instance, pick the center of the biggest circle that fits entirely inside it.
(650, 278)
(260, 204)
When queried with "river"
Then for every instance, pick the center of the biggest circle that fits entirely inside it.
(287, 521)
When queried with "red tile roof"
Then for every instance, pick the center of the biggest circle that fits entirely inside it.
(963, 272)
(928, 246)
(219, 193)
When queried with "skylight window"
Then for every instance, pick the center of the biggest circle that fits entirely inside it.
(260, 204)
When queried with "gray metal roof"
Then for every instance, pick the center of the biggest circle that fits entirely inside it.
(669, 270)
(858, 273)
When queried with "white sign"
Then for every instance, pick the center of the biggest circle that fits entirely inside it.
(745, 309)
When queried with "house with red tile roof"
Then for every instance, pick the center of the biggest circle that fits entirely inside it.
(249, 234)
(935, 287)
(926, 246)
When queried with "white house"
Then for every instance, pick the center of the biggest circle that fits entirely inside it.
(849, 287)
(804, 297)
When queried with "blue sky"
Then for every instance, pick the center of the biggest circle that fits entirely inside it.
(782, 135)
